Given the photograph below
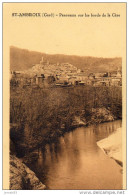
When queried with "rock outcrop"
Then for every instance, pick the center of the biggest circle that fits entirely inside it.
(112, 146)
(21, 177)
(100, 115)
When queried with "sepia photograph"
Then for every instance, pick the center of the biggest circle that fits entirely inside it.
(64, 95)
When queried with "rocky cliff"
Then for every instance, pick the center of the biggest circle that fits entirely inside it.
(21, 177)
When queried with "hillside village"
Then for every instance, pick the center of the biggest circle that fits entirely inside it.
(63, 75)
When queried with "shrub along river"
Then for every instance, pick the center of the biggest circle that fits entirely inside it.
(74, 161)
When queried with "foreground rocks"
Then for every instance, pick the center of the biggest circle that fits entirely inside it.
(22, 178)
(112, 146)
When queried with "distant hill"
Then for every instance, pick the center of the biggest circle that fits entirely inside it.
(23, 59)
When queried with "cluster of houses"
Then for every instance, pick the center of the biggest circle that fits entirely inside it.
(63, 74)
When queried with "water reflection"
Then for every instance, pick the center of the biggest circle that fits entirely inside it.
(103, 130)
(76, 162)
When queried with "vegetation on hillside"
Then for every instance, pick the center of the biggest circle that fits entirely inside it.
(23, 59)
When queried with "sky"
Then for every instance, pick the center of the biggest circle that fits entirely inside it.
(84, 36)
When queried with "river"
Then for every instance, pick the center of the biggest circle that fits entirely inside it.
(75, 161)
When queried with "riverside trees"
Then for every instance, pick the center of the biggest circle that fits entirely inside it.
(38, 115)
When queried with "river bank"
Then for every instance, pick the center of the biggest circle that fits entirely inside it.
(112, 146)
(25, 145)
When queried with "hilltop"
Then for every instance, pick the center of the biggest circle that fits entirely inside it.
(23, 59)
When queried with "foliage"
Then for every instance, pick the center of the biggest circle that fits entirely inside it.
(39, 114)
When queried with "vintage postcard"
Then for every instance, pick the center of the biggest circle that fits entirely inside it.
(64, 96)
